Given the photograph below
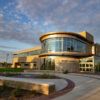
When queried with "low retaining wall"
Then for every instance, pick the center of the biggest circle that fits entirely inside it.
(1, 82)
(44, 88)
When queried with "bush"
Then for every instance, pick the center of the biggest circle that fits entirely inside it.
(11, 69)
(46, 75)
(17, 92)
(65, 72)
(3, 88)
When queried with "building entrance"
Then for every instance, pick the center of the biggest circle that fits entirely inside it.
(48, 64)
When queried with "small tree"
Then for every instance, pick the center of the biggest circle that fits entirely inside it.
(4, 64)
(97, 67)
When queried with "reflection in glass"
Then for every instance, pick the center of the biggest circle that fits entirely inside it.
(59, 44)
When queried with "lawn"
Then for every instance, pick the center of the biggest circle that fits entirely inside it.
(11, 69)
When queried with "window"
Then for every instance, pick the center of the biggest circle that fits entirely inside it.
(24, 54)
(91, 65)
(89, 60)
(34, 64)
(35, 52)
(87, 69)
(83, 65)
(52, 44)
(26, 64)
(63, 44)
(87, 65)
(83, 69)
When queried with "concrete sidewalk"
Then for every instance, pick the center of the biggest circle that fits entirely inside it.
(86, 88)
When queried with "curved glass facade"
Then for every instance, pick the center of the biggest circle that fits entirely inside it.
(61, 44)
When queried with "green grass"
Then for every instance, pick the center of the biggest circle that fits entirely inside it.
(11, 69)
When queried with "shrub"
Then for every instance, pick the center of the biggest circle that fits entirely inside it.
(11, 69)
(17, 92)
(46, 75)
(65, 72)
(3, 88)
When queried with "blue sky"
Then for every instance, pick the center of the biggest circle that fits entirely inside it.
(22, 22)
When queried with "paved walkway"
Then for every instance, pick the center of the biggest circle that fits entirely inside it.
(87, 87)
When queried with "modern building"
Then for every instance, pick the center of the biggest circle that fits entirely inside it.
(61, 51)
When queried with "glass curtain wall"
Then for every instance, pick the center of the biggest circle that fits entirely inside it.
(49, 64)
(59, 44)
(52, 44)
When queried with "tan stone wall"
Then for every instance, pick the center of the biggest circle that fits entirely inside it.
(61, 63)
(87, 35)
(1, 82)
(40, 88)
(65, 63)
(96, 49)
(28, 59)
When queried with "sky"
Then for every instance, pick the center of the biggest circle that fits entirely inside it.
(22, 22)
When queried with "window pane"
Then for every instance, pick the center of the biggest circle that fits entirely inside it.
(63, 44)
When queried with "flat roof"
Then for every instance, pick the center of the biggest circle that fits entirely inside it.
(27, 50)
(66, 33)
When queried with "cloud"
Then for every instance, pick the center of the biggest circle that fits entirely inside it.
(16, 31)
(65, 12)
(8, 47)
(46, 15)
(13, 30)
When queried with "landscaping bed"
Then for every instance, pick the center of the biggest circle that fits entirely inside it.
(8, 93)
